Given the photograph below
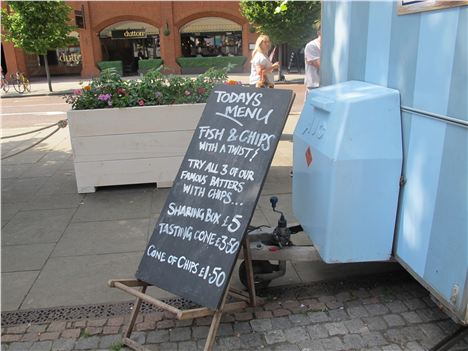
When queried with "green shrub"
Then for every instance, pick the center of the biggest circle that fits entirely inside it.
(146, 65)
(208, 62)
(117, 65)
(110, 90)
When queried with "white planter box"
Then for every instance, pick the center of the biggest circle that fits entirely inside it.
(131, 145)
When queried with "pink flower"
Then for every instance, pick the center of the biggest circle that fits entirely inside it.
(104, 97)
(201, 90)
(141, 102)
(187, 93)
(77, 92)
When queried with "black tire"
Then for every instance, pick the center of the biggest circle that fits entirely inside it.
(259, 267)
(5, 85)
(19, 87)
(27, 85)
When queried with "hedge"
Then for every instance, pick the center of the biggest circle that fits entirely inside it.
(117, 65)
(208, 62)
(145, 65)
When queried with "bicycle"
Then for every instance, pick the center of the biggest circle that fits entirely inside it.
(20, 82)
(26, 83)
(5, 84)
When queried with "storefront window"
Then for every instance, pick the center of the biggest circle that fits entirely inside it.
(211, 36)
(212, 44)
(69, 56)
(63, 57)
(51, 58)
(130, 42)
(62, 60)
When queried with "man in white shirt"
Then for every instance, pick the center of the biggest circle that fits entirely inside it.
(312, 62)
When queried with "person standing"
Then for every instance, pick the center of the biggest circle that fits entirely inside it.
(261, 72)
(312, 62)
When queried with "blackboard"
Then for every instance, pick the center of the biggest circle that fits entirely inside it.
(197, 238)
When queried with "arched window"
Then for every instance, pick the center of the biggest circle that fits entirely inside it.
(130, 41)
(211, 36)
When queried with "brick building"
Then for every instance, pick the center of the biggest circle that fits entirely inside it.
(129, 31)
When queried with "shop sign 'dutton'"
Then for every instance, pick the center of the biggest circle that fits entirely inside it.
(70, 58)
(197, 238)
(128, 34)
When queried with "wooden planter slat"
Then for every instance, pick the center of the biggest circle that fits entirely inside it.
(131, 145)
(131, 120)
(120, 172)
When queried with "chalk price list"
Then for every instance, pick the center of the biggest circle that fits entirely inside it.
(222, 242)
(196, 240)
(212, 275)
(208, 174)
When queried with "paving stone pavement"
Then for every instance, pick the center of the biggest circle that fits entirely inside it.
(385, 312)
(53, 237)
(41, 214)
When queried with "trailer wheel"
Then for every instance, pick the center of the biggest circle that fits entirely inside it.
(259, 267)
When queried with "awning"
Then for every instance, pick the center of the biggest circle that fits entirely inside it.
(211, 24)
(132, 25)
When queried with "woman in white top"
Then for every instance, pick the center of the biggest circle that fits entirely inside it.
(261, 73)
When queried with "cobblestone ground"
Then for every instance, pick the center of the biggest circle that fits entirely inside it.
(387, 313)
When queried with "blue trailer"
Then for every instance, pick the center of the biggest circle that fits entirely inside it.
(380, 151)
(424, 57)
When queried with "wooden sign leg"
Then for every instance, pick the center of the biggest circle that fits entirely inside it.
(133, 317)
(213, 329)
(249, 272)
(215, 323)
(252, 297)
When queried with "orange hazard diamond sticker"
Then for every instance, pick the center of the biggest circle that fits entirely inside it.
(308, 156)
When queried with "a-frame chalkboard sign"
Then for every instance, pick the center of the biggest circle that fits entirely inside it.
(202, 226)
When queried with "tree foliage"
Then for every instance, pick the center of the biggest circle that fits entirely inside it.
(38, 26)
(284, 22)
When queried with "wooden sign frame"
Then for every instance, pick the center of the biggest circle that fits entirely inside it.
(409, 7)
(233, 126)
(246, 299)
(199, 232)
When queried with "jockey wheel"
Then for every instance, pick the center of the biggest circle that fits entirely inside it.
(259, 268)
